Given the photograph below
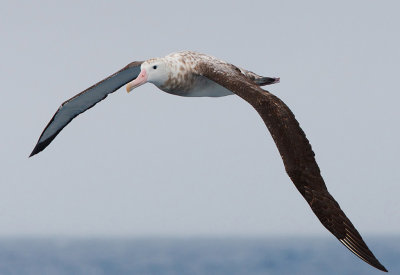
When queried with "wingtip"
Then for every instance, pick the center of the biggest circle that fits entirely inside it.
(41, 145)
(34, 151)
(380, 267)
(366, 255)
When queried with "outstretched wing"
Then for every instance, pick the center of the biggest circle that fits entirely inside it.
(296, 153)
(84, 101)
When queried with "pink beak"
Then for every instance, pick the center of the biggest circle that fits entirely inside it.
(140, 80)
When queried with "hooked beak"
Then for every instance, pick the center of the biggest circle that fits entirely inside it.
(140, 80)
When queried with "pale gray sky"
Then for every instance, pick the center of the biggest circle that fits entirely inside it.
(149, 163)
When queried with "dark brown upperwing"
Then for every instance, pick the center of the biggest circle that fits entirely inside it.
(296, 154)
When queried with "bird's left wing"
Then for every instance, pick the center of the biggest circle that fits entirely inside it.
(295, 151)
(84, 101)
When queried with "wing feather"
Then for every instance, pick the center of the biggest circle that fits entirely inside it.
(84, 101)
(296, 153)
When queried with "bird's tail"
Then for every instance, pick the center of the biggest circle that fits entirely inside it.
(258, 79)
(262, 81)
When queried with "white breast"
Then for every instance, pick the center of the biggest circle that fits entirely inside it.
(202, 87)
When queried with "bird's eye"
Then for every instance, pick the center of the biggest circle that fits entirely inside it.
(155, 67)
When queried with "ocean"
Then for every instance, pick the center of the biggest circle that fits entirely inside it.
(294, 255)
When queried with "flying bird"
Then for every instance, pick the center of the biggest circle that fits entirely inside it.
(193, 74)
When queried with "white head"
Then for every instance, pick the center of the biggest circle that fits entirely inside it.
(154, 70)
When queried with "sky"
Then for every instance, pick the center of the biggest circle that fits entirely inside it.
(153, 164)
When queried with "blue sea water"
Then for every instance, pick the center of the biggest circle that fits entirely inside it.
(191, 256)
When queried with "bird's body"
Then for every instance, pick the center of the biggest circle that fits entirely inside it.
(197, 75)
(184, 79)
(181, 78)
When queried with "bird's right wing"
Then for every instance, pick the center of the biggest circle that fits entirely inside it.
(296, 153)
(84, 101)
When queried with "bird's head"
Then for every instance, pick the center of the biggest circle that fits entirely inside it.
(154, 70)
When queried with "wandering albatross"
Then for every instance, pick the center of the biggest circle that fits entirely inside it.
(194, 74)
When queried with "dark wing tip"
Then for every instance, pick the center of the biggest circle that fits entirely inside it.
(41, 145)
(334, 219)
(38, 148)
(34, 152)
(361, 250)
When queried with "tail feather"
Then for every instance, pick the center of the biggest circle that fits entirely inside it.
(258, 79)
(262, 81)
